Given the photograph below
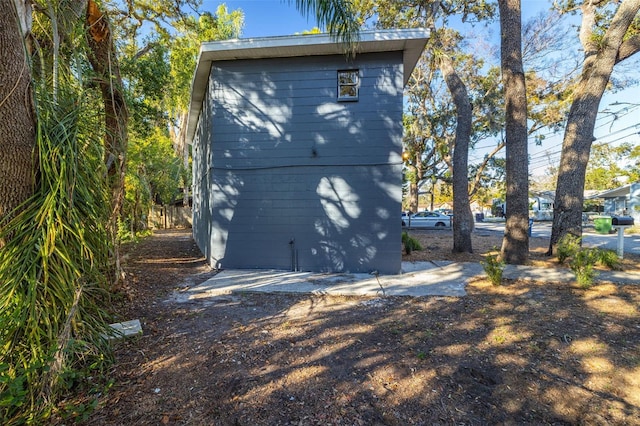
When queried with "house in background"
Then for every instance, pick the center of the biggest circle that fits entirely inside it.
(297, 160)
(624, 200)
(541, 205)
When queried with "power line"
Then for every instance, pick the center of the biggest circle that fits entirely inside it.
(540, 160)
(544, 154)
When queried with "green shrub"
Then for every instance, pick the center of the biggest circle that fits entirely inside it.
(610, 259)
(567, 247)
(410, 243)
(583, 261)
(582, 265)
(493, 266)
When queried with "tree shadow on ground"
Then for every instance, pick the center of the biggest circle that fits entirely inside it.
(525, 352)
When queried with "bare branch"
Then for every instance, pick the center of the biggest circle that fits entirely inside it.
(628, 48)
(140, 53)
(480, 170)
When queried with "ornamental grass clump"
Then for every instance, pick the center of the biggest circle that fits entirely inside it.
(410, 243)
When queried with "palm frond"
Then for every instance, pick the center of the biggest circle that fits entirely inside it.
(336, 16)
(53, 268)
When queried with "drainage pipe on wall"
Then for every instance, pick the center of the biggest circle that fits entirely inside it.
(292, 245)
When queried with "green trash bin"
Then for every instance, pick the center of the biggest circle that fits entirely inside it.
(602, 224)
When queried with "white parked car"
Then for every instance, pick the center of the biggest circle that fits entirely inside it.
(427, 220)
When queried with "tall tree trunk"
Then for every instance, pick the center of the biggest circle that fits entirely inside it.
(600, 59)
(463, 223)
(515, 245)
(182, 137)
(567, 209)
(413, 196)
(103, 59)
(414, 181)
(178, 136)
(17, 116)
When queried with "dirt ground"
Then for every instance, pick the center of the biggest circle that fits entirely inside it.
(525, 352)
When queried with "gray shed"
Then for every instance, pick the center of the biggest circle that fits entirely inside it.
(297, 160)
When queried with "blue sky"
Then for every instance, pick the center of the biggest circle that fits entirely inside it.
(266, 17)
(280, 17)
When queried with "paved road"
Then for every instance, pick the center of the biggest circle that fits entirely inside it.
(589, 237)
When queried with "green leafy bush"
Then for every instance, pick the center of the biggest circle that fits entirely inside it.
(582, 264)
(567, 247)
(582, 261)
(610, 259)
(494, 267)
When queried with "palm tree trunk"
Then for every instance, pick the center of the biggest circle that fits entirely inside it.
(103, 59)
(17, 116)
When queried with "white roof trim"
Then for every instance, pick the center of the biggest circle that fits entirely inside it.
(621, 191)
(410, 41)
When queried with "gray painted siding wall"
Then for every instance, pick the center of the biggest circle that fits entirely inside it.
(277, 159)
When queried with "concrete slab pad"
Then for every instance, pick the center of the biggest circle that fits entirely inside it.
(437, 278)
(417, 279)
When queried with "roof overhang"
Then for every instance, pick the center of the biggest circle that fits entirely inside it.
(622, 191)
(410, 41)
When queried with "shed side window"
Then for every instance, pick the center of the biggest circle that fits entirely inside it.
(348, 82)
